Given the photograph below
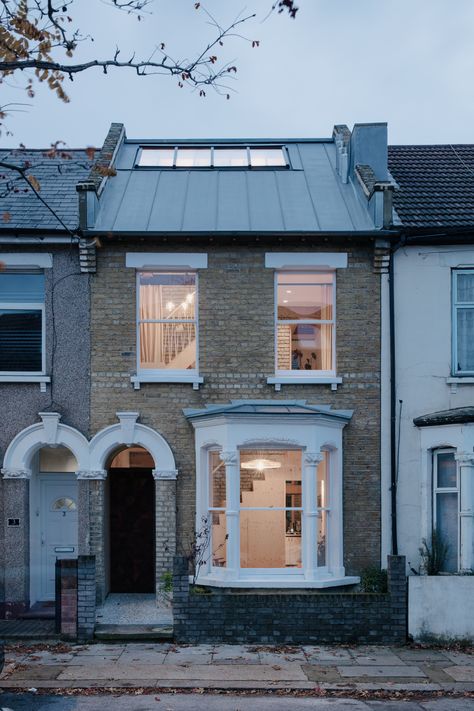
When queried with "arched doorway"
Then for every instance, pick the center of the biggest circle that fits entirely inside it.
(131, 522)
(53, 518)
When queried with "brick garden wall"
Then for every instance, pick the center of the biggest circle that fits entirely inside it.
(291, 618)
(236, 354)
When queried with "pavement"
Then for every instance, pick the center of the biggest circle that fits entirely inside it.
(237, 667)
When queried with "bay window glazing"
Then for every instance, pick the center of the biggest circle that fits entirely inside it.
(446, 506)
(305, 322)
(167, 321)
(271, 519)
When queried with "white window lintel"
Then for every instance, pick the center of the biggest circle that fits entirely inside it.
(306, 260)
(27, 260)
(166, 260)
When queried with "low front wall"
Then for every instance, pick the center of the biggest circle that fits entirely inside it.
(441, 607)
(220, 615)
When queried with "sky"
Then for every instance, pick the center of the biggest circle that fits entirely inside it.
(407, 62)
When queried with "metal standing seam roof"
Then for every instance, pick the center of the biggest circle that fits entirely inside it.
(266, 407)
(57, 178)
(308, 197)
(436, 185)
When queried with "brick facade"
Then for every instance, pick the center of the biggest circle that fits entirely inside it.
(225, 615)
(236, 355)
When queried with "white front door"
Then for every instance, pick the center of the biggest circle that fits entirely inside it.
(57, 527)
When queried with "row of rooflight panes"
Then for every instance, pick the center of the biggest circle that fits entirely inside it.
(211, 157)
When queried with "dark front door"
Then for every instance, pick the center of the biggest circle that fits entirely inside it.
(132, 531)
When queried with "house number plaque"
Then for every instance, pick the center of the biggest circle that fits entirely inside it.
(13, 521)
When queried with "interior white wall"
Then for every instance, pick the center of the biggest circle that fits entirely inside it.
(423, 365)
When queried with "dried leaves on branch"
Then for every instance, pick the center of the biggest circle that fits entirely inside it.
(38, 41)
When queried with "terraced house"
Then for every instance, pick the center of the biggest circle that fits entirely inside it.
(225, 375)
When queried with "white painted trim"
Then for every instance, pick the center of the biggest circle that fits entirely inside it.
(304, 380)
(108, 440)
(166, 260)
(49, 431)
(385, 430)
(274, 581)
(137, 380)
(22, 378)
(306, 260)
(29, 260)
(460, 380)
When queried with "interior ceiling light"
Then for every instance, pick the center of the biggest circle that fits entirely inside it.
(261, 464)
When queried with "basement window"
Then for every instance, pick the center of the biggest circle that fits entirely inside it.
(250, 157)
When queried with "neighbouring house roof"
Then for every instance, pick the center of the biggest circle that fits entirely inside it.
(57, 178)
(458, 415)
(436, 185)
(266, 407)
(307, 198)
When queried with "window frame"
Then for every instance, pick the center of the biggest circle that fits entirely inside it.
(167, 374)
(305, 374)
(436, 490)
(456, 306)
(292, 574)
(27, 306)
(212, 147)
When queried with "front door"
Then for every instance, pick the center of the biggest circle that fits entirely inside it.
(58, 526)
(132, 530)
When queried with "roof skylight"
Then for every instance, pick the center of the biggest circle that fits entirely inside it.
(213, 157)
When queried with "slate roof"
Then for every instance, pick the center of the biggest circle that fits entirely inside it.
(57, 178)
(309, 197)
(436, 185)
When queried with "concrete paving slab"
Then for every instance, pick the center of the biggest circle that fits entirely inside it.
(460, 658)
(80, 658)
(448, 705)
(276, 658)
(418, 655)
(33, 674)
(335, 655)
(321, 674)
(385, 657)
(460, 673)
(239, 656)
(198, 672)
(142, 657)
(407, 672)
(393, 705)
(190, 655)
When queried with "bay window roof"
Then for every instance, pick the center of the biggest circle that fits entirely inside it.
(268, 407)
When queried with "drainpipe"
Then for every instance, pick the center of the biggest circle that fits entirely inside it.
(393, 397)
(393, 410)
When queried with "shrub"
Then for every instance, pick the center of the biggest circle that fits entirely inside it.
(373, 580)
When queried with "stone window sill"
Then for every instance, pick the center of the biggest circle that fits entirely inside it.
(24, 378)
(195, 380)
(278, 381)
(456, 380)
(276, 582)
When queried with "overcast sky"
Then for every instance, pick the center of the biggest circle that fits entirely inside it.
(407, 62)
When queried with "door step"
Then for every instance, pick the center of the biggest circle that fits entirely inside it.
(133, 632)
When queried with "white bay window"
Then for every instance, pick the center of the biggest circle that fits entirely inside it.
(269, 487)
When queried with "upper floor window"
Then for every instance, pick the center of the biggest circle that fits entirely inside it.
(305, 323)
(213, 157)
(22, 332)
(463, 321)
(167, 321)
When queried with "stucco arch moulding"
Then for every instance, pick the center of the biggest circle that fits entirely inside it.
(48, 432)
(128, 432)
(91, 456)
